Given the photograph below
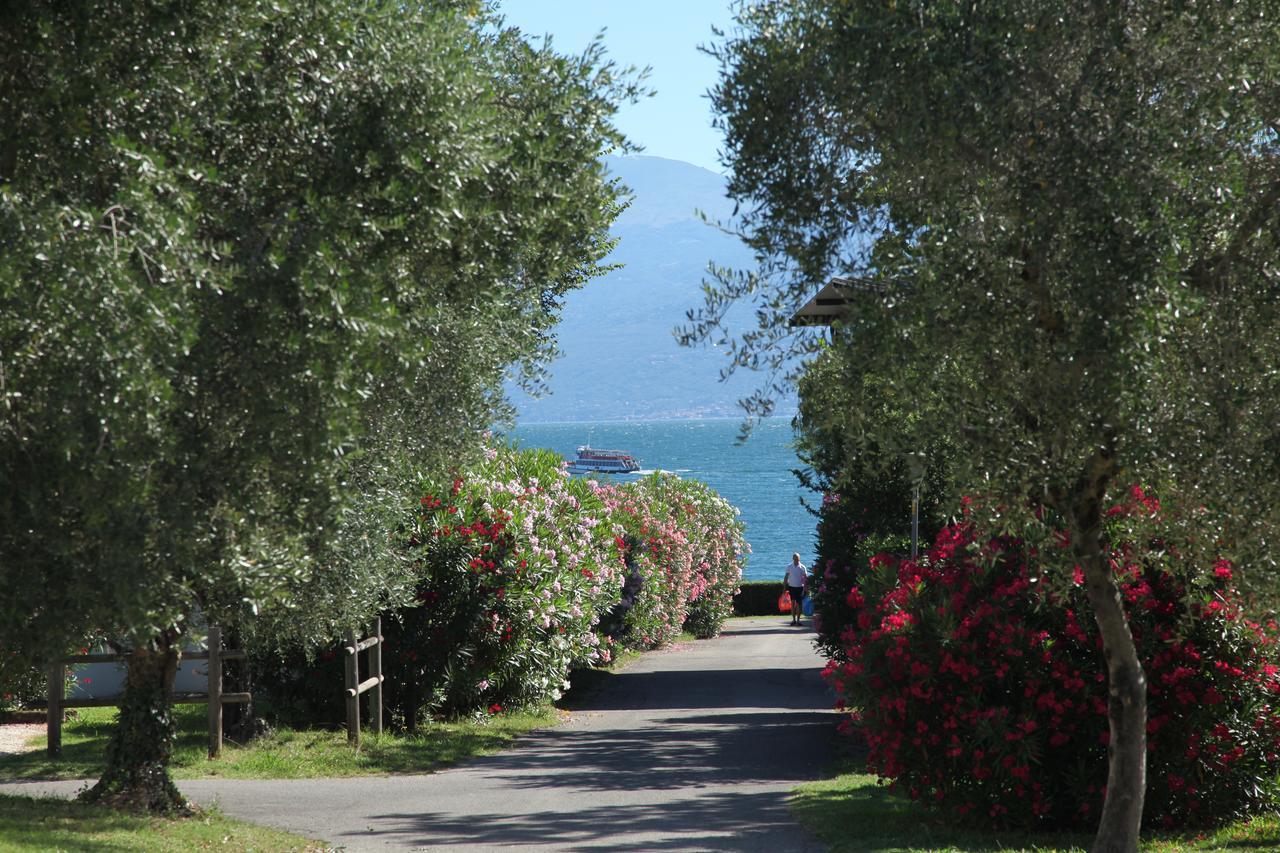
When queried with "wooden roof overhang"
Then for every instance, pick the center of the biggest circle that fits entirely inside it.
(830, 303)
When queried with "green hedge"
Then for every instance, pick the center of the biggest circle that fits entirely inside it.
(757, 598)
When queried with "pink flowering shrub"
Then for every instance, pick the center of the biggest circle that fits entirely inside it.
(979, 685)
(657, 554)
(524, 573)
(514, 564)
(715, 537)
(685, 544)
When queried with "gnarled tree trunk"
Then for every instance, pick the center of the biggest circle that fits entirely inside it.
(1121, 820)
(137, 772)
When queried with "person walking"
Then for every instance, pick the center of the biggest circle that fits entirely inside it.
(796, 579)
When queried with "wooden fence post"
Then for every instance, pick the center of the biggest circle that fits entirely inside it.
(215, 696)
(375, 671)
(353, 689)
(56, 689)
(215, 691)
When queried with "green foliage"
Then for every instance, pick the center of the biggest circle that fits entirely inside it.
(1057, 228)
(869, 484)
(866, 488)
(362, 216)
(260, 261)
(757, 598)
(1059, 232)
(21, 684)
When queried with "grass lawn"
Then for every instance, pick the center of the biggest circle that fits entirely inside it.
(285, 754)
(852, 814)
(28, 823)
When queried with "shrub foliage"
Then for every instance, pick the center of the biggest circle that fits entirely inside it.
(21, 685)
(685, 542)
(523, 574)
(980, 685)
(514, 564)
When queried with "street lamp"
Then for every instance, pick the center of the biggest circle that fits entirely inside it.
(917, 469)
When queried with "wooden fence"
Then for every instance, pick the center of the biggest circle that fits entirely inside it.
(373, 683)
(57, 701)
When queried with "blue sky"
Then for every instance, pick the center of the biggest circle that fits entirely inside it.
(662, 34)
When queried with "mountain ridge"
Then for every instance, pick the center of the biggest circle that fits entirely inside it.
(620, 359)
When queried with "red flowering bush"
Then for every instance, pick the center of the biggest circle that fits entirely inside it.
(833, 579)
(21, 684)
(980, 686)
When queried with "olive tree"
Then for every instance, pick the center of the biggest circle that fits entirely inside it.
(247, 248)
(1064, 220)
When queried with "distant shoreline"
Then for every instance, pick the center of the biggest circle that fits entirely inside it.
(520, 423)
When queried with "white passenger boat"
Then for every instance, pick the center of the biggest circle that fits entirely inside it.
(594, 461)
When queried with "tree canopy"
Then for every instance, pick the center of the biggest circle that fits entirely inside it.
(254, 254)
(1063, 222)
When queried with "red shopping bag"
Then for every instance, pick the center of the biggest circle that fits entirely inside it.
(784, 602)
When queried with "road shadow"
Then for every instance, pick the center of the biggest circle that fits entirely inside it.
(782, 627)
(778, 688)
(712, 822)
(688, 752)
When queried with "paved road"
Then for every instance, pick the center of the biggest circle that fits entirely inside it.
(692, 749)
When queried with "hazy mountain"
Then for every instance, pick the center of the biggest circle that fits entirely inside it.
(620, 360)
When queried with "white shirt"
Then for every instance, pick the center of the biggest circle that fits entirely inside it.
(795, 574)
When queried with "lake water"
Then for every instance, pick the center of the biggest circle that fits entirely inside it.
(755, 477)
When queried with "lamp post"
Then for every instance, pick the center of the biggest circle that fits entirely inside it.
(916, 466)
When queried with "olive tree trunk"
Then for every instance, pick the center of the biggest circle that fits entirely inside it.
(137, 772)
(1121, 820)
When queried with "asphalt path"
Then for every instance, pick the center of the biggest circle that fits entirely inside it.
(689, 749)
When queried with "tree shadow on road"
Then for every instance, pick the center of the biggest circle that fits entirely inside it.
(677, 752)
(783, 626)
(713, 822)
